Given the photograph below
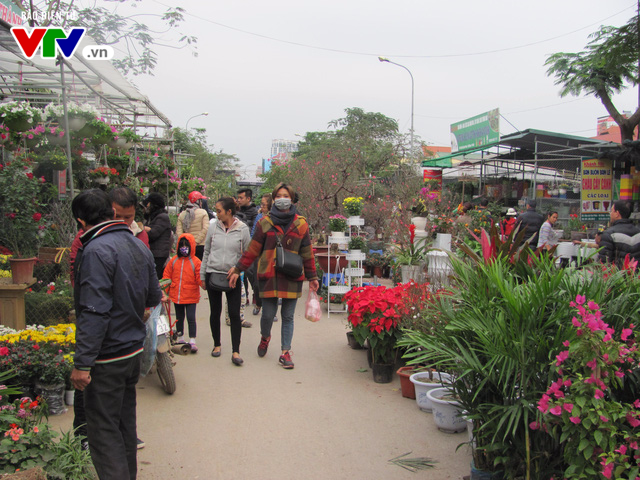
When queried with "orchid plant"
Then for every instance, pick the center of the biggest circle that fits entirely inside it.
(599, 433)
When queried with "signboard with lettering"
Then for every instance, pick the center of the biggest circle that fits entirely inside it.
(596, 195)
(476, 131)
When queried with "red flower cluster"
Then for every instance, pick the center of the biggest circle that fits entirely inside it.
(380, 308)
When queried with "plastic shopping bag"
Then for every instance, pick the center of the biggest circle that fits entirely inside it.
(312, 307)
(148, 355)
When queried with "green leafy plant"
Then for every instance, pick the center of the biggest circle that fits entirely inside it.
(376, 260)
(71, 460)
(21, 207)
(129, 135)
(357, 242)
(411, 253)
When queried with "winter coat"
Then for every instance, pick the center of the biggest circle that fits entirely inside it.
(198, 227)
(115, 280)
(507, 225)
(223, 248)
(296, 239)
(620, 239)
(532, 222)
(249, 214)
(184, 273)
(160, 233)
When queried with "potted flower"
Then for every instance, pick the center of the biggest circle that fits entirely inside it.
(597, 429)
(357, 244)
(103, 175)
(374, 315)
(337, 225)
(33, 136)
(57, 160)
(19, 116)
(376, 262)
(562, 188)
(77, 115)
(353, 206)
(125, 139)
(56, 136)
(104, 132)
(21, 218)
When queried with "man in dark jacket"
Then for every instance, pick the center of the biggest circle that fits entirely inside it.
(158, 227)
(115, 282)
(247, 208)
(247, 213)
(531, 221)
(622, 237)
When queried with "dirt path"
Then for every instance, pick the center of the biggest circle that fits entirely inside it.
(324, 419)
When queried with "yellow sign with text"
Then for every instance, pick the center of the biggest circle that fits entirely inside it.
(596, 192)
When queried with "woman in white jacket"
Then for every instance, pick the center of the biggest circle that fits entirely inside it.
(226, 241)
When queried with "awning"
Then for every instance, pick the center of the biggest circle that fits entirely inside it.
(96, 82)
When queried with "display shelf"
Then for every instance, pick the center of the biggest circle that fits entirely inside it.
(356, 256)
(338, 289)
(354, 272)
(355, 221)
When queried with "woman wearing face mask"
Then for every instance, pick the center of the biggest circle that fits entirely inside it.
(293, 230)
(184, 272)
(227, 238)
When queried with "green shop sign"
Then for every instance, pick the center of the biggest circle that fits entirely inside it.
(477, 131)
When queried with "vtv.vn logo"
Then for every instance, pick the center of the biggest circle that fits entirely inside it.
(54, 39)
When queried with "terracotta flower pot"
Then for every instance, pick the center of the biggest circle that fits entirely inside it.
(22, 269)
(407, 387)
(329, 262)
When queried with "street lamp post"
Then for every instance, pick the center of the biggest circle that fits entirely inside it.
(383, 59)
(198, 115)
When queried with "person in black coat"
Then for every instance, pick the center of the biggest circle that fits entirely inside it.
(531, 221)
(622, 237)
(158, 227)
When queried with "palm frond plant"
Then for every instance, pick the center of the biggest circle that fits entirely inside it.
(498, 332)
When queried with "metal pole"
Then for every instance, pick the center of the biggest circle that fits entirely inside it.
(66, 126)
(383, 59)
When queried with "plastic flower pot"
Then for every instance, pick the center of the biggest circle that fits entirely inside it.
(423, 383)
(447, 412)
(406, 385)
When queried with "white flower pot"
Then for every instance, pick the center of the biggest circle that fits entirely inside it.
(443, 241)
(76, 123)
(423, 387)
(411, 272)
(447, 414)
(338, 234)
(419, 222)
(68, 397)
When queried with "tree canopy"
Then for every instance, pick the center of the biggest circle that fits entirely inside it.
(608, 65)
(357, 158)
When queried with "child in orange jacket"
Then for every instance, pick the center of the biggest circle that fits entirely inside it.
(183, 269)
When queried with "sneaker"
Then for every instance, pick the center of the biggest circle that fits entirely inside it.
(256, 310)
(140, 443)
(194, 348)
(84, 444)
(275, 319)
(285, 360)
(264, 345)
(227, 321)
(247, 324)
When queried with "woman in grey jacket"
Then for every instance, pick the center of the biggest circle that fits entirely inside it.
(227, 239)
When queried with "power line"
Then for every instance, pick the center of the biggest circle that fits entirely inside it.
(453, 55)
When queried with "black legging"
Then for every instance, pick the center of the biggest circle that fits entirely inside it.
(234, 299)
(190, 310)
(160, 261)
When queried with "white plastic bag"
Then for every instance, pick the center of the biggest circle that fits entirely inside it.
(312, 310)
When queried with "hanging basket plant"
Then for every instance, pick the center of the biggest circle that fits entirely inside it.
(104, 132)
(19, 116)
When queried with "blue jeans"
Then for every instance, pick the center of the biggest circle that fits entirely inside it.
(269, 310)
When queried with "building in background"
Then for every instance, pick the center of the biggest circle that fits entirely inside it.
(609, 131)
(281, 152)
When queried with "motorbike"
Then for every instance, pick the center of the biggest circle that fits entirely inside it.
(157, 349)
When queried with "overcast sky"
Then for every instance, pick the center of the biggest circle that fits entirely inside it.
(270, 70)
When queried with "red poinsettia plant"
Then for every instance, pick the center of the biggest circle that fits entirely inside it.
(375, 314)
